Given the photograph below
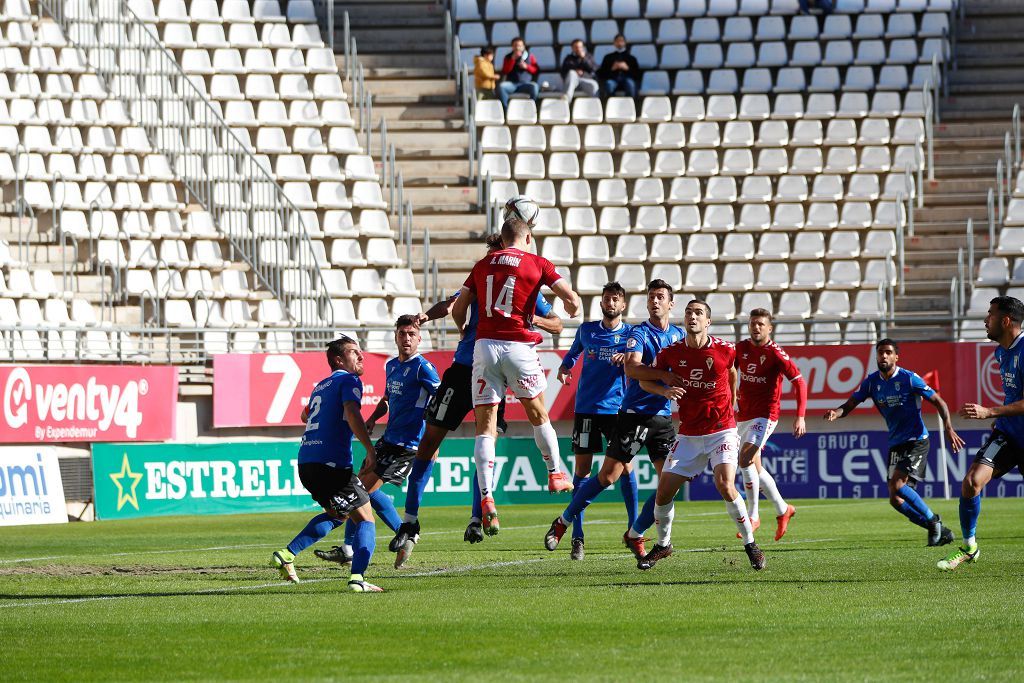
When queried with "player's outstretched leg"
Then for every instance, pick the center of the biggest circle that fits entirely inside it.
(663, 512)
(610, 472)
(783, 510)
(977, 477)
(725, 475)
(630, 495)
(315, 529)
(475, 530)
(419, 477)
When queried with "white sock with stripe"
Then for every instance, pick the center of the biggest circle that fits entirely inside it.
(483, 455)
(663, 516)
(738, 512)
(771, 491)
(752, 489)
(547, 441)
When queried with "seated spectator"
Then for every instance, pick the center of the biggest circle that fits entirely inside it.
(579, 70)
(619, 70)
(519, 69)
(483, 73)
(824, 5)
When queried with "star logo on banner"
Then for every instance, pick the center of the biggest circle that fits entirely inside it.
(126, 489)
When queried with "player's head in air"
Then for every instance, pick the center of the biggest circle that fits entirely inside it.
(407, 336)
(660, 299)
(613, 301)
(516, 233)
(1003, 322)
(887, 355)
(345, 354)
(760, 326)
(696, 317)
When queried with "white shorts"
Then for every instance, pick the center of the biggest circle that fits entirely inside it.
(757, 431)
(691, 454)
(498, 365)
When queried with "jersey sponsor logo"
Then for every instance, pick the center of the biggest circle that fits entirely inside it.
(753, 379)
(358, 393)
(529, 381)
(724, 447)
(632, 344)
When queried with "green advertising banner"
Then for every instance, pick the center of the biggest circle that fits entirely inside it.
(142, 480)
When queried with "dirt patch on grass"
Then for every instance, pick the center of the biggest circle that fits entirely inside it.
(63, 570)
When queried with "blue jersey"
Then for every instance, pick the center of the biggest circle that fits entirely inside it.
(1010, 372)
(328, 438)
(408, 388)
(464, 351)
(648, 340)
(898, 399)
(601, 384)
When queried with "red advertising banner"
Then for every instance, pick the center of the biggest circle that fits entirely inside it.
(251, 390)
(55, 403)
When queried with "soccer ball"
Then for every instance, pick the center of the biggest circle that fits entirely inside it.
(523, 208)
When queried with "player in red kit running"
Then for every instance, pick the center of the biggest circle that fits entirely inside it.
(506, 284)
(707, 428)
(762, 365)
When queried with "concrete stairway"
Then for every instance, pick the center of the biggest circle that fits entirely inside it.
(401, 45)
(988, 81)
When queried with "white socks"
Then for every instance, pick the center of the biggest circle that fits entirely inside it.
(752, 487)
(663, 515)
(738, 513)
(771, 492)
(483, 455)
(547, 442)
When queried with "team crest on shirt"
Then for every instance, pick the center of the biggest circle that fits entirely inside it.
(897, 386)
(762, 358)
(618, 337)
(709, 361)
(358, 393)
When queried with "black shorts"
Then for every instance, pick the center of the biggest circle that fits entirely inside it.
(587, 430)
(453, 400)
(1001, 453)
(633, 431)
(910, 457)
(335, 489)
(393, 462)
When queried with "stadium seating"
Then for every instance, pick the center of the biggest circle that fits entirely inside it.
(764, 155)
(109, 187)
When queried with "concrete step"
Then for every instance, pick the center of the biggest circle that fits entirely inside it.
(417, 112)
(452, 199)
(967, 157)
(986, 143)
(981, 103)
(921, 332)
(993, 115)
(938, 246)
(1001, 49)
(454, 256)
(1012, 89)
(945, 186)
(969, 73)
(970, 129)
(983, 8)
(447, 281)
(393, 59)
(436, 144)
(956, 198)
(434, 172)
(979, 171)
(401, 72)
(950, 213)
(420, 88)
(450, 226)
(922, 304)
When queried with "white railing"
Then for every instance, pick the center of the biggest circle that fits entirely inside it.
(243, 198)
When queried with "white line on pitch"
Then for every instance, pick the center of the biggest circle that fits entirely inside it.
(682, 516)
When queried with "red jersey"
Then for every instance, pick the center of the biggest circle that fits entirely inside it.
(707, 406)
(506, 284)
(761, 371)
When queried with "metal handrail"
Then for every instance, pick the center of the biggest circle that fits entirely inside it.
(900, 243)
(1015, 126)
(1001, 186)
(929, 128)
(183, 112)
(990, 208)
(970, 243)
(324, 10)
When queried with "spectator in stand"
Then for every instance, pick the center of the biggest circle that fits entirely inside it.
(483, 73)
(579, 70)
(619, 69)
(519, 69)
(824, 5)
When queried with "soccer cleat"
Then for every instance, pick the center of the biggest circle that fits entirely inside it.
(474, 533)
(755, 524)
(635, 545)
(490, 516)
(947, 536)
(934, 531)
(658, 552)
(405, 531)
(357, 585)
(554, 534)
(558, 482)
(405, 551)
(782, 522)
(335, 554)
(577, 552)
(961, 556)
(755, 556)
(284, 561)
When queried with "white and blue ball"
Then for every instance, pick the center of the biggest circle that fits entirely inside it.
(523, 208)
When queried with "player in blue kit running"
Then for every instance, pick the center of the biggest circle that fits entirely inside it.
(643, 419)
(1004, 448)
(410, 382)
(325, 464)
(449, 407)
(599, 392)
(897, 393)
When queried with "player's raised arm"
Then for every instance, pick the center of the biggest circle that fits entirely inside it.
(460, 308)
(851, 403)
(439, 310)
(564, 291)
(569, 360)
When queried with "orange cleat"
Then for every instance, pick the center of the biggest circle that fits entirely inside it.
(635, 545)
(755, 524)
(490, 516)
(558, 482)
(783, 521)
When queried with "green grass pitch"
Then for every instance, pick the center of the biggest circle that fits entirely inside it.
(851, 594)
